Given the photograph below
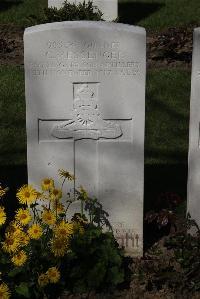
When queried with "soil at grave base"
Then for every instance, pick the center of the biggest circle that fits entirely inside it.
(159, 270)
(11, 45)
(171, 47)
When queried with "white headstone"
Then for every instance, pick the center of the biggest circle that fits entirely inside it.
(109, 8)
(58, 3)
(194, 134)
(85, 96)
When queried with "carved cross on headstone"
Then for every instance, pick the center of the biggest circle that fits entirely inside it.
(86, 123)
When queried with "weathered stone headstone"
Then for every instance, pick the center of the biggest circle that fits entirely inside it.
(109, 8)
(194, 134)
(85, 96)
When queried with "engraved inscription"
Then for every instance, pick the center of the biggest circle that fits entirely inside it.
(87, 121)
(84, 58)
(126, 238)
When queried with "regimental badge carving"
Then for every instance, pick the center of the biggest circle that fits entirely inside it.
(87, 121)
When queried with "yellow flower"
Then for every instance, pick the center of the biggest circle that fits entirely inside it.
(23, 216)
(65, 174)
(11, 243)
(24, 239)
(56, 194)
(4, 291)
(27, 194)
(48, 217)
(3, 191)
(63, 229)
(43, 280)
(59, 247)
(2, 216)
(14, 231)
(35, 231)
(47, 184)
(19, 259)
(58, 207)
(53, 274)
(14, 228)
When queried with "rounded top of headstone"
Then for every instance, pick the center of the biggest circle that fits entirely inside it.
(85, 24)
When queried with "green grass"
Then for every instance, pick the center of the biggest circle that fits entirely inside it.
(167, 114)
(12, 115)
(158, 14)
(152, 14)
(16, 11)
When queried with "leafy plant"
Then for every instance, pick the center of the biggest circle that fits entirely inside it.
(44, 251)
(68, 12)
(186, 247)
(164, 214)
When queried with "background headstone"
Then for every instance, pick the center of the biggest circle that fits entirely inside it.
(58, 3)
(194, 134)
(109, 8)
(85, 96)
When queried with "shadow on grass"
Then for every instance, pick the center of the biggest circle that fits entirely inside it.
(132, 13)
(5, 5)
(160, 179)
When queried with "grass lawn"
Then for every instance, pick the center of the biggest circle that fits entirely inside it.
(158, 14)
(16, 11)
(152, 14)
(167, 110)
(167, 116)
(12, 115)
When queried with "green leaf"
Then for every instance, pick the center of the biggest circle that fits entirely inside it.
(14, 272)
(4, 260)
(23, 290)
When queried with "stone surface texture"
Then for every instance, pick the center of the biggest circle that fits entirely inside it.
(85, 99)
(193, 205)
(109, 8)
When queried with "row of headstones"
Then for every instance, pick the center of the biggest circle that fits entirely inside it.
(109, 8)
(85, 98)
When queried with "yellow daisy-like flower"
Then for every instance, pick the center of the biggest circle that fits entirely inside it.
(59, 247)
(23, 216)
(2, 216)
(56, 194)
(27, 194)
(63, 229)
(58, 207)
(43, 280)
(3, 191)
(48, 217)
(47, 184)
(35, 231)
(19, 259)
(65, 174)
(11, 243)
(53, 274)
(14, 228)
(24, 239)
(4, 291)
